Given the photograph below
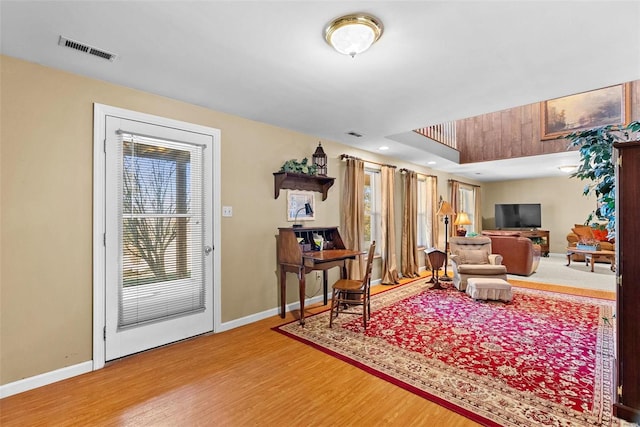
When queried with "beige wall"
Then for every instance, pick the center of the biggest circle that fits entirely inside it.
(563, 204)
(46, 179)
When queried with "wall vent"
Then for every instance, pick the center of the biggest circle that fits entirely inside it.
(82, 47)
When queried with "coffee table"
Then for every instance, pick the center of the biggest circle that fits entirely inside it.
(590, 256)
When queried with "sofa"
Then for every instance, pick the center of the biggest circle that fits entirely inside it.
(519, 254)
(585, 233)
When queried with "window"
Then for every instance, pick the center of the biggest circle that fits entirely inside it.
(161, 246)
(467, 203)
(372, 202)
(425, 213)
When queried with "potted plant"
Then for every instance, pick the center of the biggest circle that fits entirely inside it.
(303, 167)
(596, 166)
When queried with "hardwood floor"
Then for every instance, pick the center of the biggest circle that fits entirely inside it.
(247, 376)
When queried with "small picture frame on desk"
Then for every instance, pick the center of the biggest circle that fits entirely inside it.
(296, 206)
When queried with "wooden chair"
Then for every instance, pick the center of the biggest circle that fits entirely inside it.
(347, 293)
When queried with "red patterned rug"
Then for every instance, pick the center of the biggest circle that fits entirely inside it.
(543, 359)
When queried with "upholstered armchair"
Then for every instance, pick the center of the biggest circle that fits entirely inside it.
(519, 254)
(472, 257)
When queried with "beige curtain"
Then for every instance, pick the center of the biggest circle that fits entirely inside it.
(409, 242)
(352, 218)
(388, 245)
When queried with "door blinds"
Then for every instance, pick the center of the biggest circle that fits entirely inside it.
(161, 272)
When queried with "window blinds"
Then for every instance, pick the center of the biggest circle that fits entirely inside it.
(161, 270)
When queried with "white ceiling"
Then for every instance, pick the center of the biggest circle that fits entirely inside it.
(267, 60)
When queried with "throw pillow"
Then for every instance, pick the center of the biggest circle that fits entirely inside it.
(473, 257)
(583, 232)
(600, 235)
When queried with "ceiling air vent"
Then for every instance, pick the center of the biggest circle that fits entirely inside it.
(355, 134)
(63, 41)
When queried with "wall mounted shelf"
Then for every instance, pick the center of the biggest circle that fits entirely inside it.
(299, 181)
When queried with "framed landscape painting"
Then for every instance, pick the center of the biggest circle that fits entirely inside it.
(600, 107)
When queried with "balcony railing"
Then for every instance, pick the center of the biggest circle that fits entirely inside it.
(444, 133)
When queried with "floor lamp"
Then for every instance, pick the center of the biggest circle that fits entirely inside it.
(445, 210)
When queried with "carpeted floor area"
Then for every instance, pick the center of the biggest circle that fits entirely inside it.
(554, 269)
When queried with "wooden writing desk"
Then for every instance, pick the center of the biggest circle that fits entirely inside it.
(292, 259)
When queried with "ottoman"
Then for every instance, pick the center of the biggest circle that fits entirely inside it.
(489, 289)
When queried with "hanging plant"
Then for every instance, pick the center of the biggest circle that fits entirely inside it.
(596, 166)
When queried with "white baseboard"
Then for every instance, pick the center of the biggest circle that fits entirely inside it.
(274, 311)
(30, 383)
(84, 367)
(267, 313)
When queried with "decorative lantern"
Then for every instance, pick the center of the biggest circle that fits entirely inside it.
(320, 160)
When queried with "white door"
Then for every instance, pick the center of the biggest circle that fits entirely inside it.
(158, 235)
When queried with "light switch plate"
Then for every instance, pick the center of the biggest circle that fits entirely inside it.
(227, 211)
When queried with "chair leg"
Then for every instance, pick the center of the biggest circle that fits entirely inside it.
(333, 307)
(365, 312)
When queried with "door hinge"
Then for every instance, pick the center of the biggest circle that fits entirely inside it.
(104, 239)
(619, 280)
(620, 390)
(104, 333)
(104, 145)
(619, 161)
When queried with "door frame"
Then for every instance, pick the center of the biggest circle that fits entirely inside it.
(100, 112)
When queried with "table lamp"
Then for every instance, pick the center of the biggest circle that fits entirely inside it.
(307, 210)
(462, 219)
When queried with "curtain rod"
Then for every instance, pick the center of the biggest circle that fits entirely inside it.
(346, 156)
(465, 183)
(405, 170)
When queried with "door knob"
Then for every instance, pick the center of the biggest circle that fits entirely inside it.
(207, 250)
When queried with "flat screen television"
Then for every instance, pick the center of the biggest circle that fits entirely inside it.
(518, 215)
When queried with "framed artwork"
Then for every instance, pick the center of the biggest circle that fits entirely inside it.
(295, 205)
(600, 107)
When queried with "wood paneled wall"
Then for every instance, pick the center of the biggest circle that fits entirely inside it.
(514, 133)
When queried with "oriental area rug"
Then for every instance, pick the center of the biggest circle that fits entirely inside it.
(543, 359)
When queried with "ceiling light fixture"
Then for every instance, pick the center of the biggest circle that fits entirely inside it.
(353, 34)
(383, 148)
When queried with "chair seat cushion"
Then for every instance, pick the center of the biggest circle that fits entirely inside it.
(482, 269)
